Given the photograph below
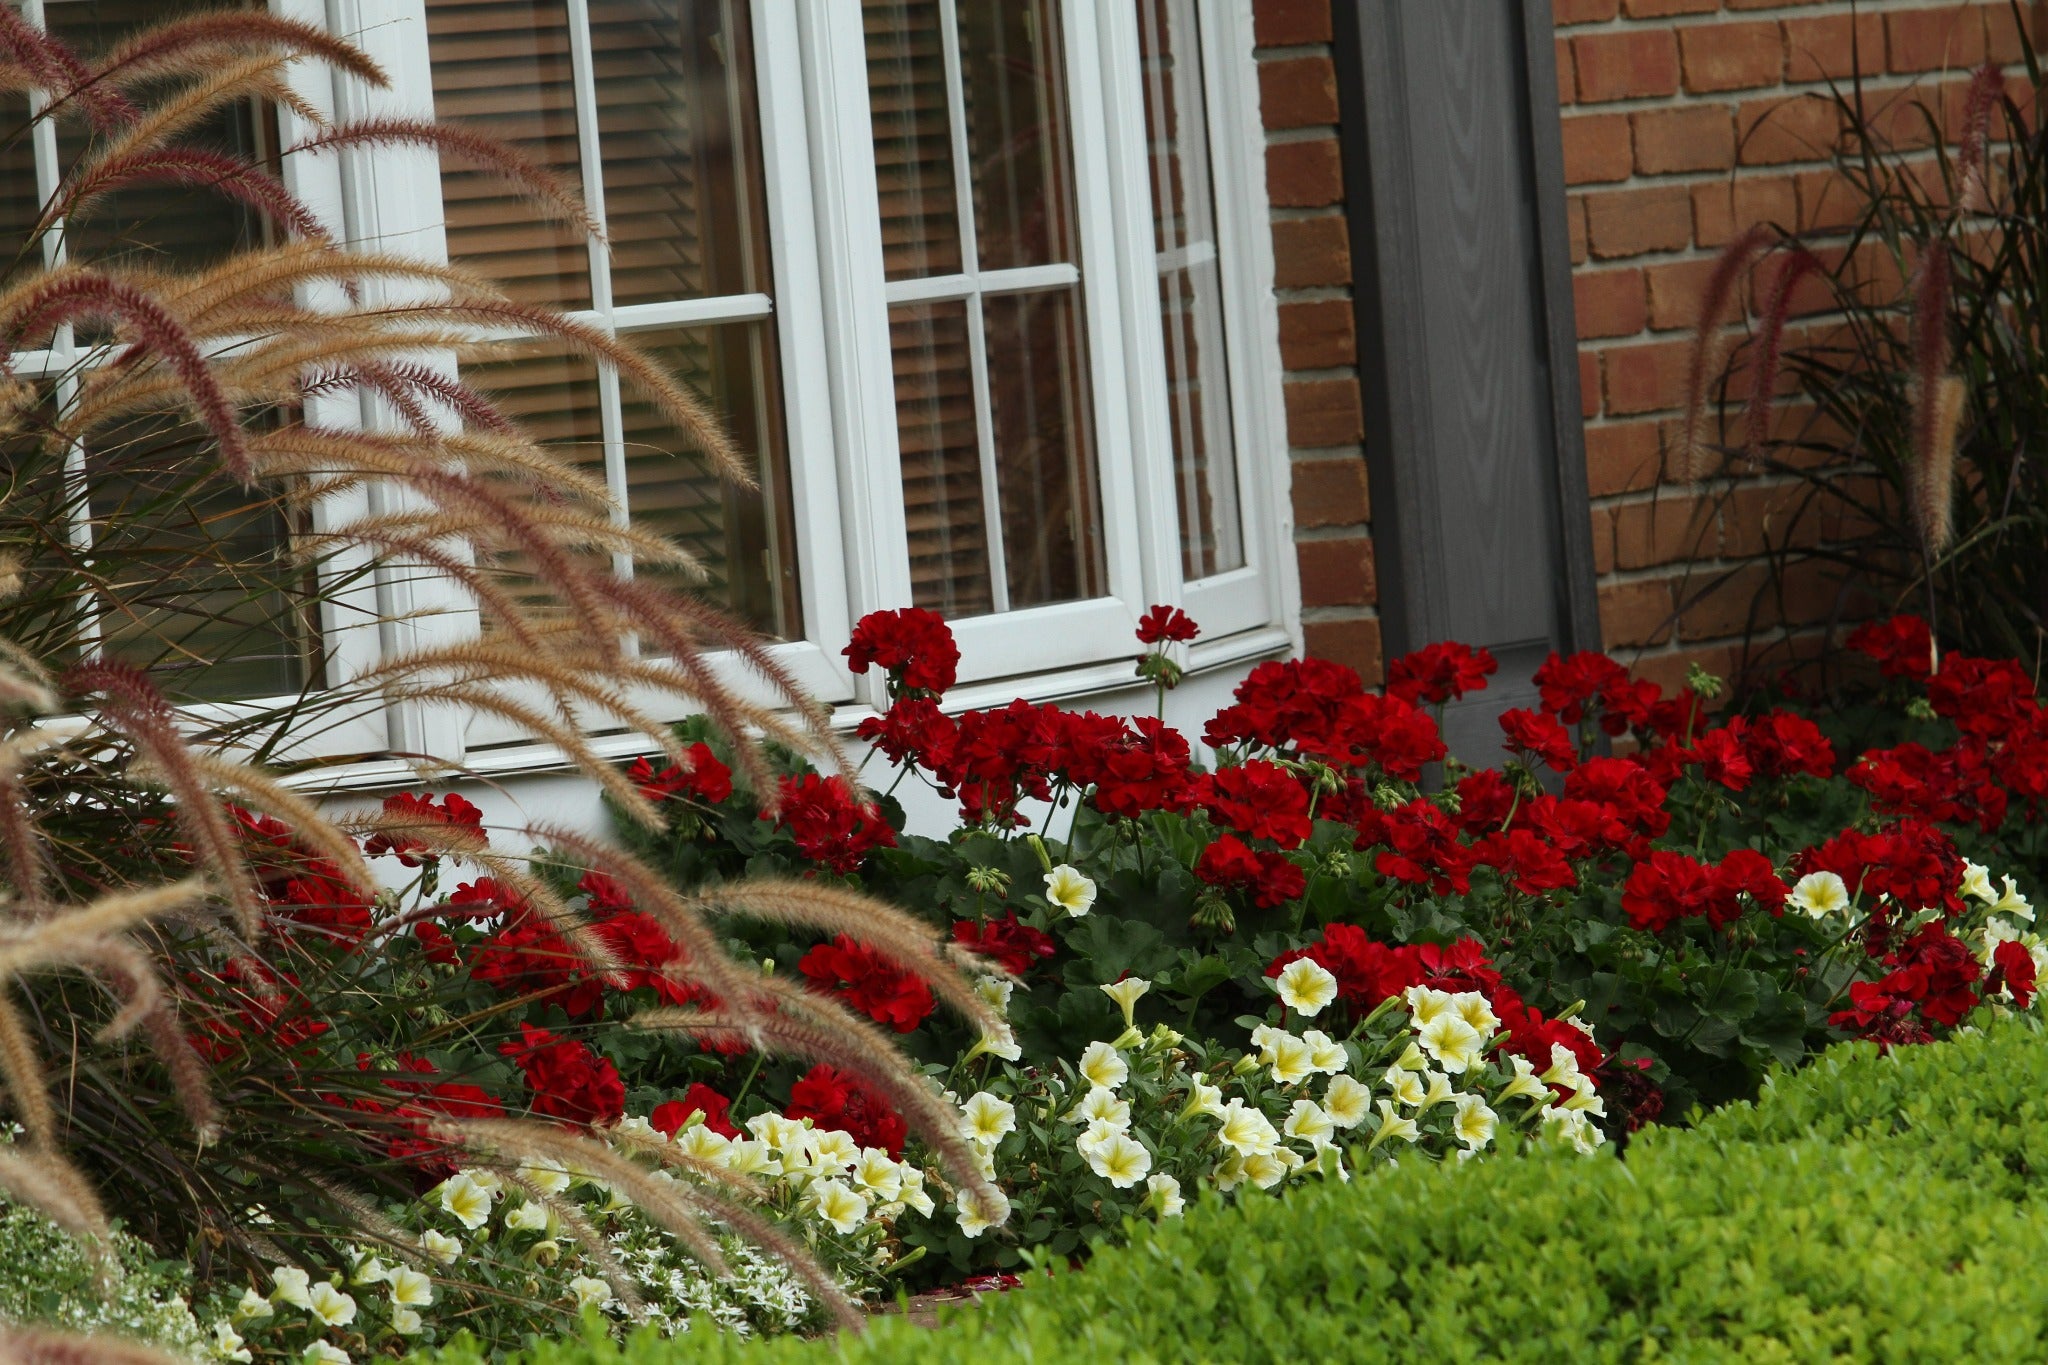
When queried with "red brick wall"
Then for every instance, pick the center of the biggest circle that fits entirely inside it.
(1318, 343)
(1684, 122)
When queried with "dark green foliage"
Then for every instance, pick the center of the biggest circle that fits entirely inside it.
(1867, 1208)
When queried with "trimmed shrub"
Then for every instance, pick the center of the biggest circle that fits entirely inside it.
(1871, 1207)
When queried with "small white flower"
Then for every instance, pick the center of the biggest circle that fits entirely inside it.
(2012, 903)
(322, 1353)
(1347, 1101)
(748, 1157)
(589, 1292)
(466, 1200)
(1306, 986)
(1229, 1173)
(1070, 891)
(1306, 1122)
(1267, 1169)
(701, 1143)
(406, 1322)
(1001, 1043)
(227, 1342)
(1439, 1091)
(1977, 882)
(1162, 1194)
(289, 1284)
(995, 992)
(878, 1175)
(1585, 1098)
(776, 1131)
(1325, 1054)
(252, 1306)
(410, 1289)
(1126, 994)
(1100, 1105)
(1819, 894)
(1103, 1065)
(1425, 1004)
(986, 1119)
(1204, 1099)
(1406, 1085)
(834, 1147)
(488, 1181)
(546, 1176)
(1293, 1060)
(1096, 1133)
(1473, 1008)
(330, 1305)
(1452, 1042)
(1525, 1083)
(1564, 1067)
(913, 1194)
(1474, 1122)
(1247, 1131)
(1122, 1161)
(369, 1270)
(528, 1217)
(1393, 1126)
(978, 1213)
(837, 1204)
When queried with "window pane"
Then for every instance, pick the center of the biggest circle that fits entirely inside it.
(1045, 452)
(1190, 288)
(198, 587)
(1013, 81)
(679, 134)
(913, 135)
(161, 222)
(942, 480)
(744, 538)
(502, 67)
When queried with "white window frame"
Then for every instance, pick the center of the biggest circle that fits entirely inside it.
(831, 309)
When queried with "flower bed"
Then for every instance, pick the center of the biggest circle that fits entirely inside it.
(1294, 967)
(1868, 1208)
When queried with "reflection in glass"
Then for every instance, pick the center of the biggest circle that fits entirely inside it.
(944, 510)
(913, 134)
(1190, 288)
(1045, 455)
(1014, 89)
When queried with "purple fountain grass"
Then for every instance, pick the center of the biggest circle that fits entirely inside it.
(59, 72)
(244, 182)
(1933, 439)
(192, 42)
(1987, 86)
(1720, 290)
(1798, 263)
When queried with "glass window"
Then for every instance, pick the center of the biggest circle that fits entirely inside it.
(974, 167)
(651, 106)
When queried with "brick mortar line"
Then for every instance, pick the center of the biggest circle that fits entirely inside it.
(1829, 9)
(1822, 88)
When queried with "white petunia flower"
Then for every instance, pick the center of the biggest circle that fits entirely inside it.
(324, 1353)
(1267, 1169)
(2012, 903)
(368, 1269)
(589, 1292)
(1162, 1195)
(466, 1200)
(986, 1119)
(1103, 1065)
(410, 1289)
(1585, 1098)
(1564, 1067)
(291, 1285)
(1127, 993)
(1264, 1037)
(545, 1175)
(748, 1157)
(1101, 1105)
(1002, 1043)
(406, 1322)
(528, 1217)
(1246, 1131)
(227, 1342)
(1229, 1173)
(1406, 1085)
(913, 1194)
(978, 1213)
(1306, 1122)
(701, 1142)
(1070, 891)
(995, 992)
(1474, 1123)
(1819, 894)
(252, 1306)
(1203, 1099)
(1977, 882)
(1306, 986)
(1347, 1101)
(837, 1204)
(1096, 1133)
(1439, 1091)
(1426, 1003)
(1473, 1008)
(878, 1175)
(1453, 1043)
(1525, 1083)
(778, 1132)
(489, 1181)
(330, 1305)
(1122, 1161)
(1392, 1126)
(1325, 1054)
(835, 1148)
(1293, 1060)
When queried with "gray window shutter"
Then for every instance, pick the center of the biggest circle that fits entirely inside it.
(1454, 168)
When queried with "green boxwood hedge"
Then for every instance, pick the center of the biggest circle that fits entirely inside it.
(1866, 1208)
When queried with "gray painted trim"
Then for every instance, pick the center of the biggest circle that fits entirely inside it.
(1379, 89)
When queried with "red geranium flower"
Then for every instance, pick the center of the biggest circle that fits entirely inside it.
(1160, 624)
(1779, 744)
(1902, 647)
(1271, 878)
(1986, 698)
(1143, 768)
(829, 826)
(1721, 759)
(670, 1116)
(913, 729)
(1666, 888)
(1570, 684)
(705, 779)
(1528, 863)
(420, 812)
(834, 1099)
(569, 1081)
(1422, 847)
(2012, 967)
(913, 646)
(1258, 799)
(869, 982)
(1011, 945)
(1440, 672)
(1539, 736)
